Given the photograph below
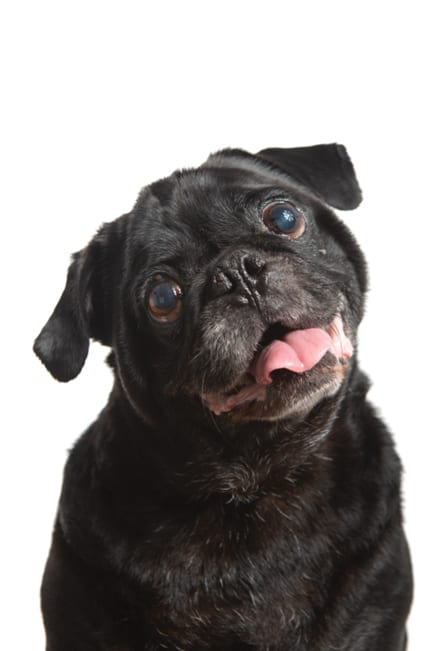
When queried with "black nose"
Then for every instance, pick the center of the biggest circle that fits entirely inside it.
(242, 275)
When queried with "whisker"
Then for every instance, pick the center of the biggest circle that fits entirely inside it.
(338, 335)
(204, 408)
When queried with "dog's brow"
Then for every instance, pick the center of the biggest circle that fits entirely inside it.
(267, 192)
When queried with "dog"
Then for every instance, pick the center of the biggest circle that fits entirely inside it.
(238, 491)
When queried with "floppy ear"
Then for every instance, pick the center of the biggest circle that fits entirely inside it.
(85, 308)
(326, 169)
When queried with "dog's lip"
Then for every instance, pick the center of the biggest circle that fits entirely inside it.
(297, 351)
(246, 390)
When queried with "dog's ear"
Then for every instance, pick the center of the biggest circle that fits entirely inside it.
(85, 308)
(326, 169)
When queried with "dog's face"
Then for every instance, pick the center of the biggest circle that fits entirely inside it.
(232, 288)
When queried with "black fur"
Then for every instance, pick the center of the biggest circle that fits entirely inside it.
(274, 526)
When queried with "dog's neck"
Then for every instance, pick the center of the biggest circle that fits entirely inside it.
(197, 457)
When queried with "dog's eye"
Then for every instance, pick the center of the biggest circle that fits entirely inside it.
(164, 300)
(283, 218)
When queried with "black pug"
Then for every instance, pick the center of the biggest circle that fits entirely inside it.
(238, 491)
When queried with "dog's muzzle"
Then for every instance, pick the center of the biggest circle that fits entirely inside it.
(297, 351)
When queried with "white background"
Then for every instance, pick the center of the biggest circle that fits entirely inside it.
(100, 98)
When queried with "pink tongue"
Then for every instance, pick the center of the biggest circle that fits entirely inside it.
(299, 351)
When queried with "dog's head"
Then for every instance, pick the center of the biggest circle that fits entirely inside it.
(231, 288)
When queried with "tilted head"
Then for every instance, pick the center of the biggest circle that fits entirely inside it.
(231, 288)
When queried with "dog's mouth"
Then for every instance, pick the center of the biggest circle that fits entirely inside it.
(295, 351)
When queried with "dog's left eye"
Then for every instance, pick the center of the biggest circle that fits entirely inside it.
(164, 299)
(283, 218)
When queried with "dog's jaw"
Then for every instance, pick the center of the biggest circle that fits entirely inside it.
(296, 352)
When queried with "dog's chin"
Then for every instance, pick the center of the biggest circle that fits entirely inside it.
(288, 396)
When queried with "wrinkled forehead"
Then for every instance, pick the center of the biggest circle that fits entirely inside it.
(206, 209)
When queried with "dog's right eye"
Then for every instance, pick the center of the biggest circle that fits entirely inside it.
(164, 300)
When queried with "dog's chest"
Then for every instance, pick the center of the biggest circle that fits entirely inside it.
(246, 569)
